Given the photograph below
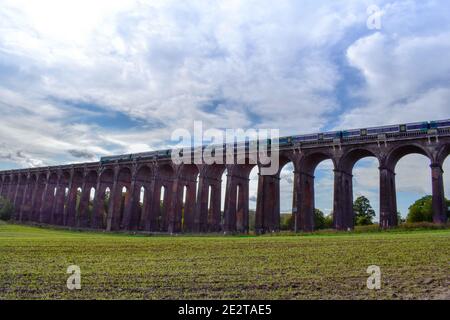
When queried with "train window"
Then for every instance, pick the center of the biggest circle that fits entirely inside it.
(364, 132)
(320, 136)
(402, 128)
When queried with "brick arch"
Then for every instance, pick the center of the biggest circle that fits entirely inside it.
(101, 206)
(135, 215)
(188, 171)
(124, 176)
(91, 177)
(443, 153)
(144, 174)
(15, 178)
(41, 178)
(19, 196)
(352, 156)
(48, 198)
(166, 172)
(77, 178)
(107, 176)
(398, 152)
(309, 162)
(5, 185)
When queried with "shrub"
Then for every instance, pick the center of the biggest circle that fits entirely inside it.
(6, 209)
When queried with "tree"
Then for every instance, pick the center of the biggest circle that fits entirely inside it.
(422, 210)
(6, 209)
(329, 221)
(319, 219)
(322, 221)
(364, 212)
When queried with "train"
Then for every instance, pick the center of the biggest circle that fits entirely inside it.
(284, 142)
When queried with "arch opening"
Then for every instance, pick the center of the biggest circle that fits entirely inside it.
(284, 213)
(322, 192)
(366, 191)
(223, 190)
(123, 202)
(252, 197)
(106, 205)
(413, 184)
(78, 200)
(446, 177)
(162, 207)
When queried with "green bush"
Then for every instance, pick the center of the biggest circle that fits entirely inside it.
(422, 210)
(6, 209)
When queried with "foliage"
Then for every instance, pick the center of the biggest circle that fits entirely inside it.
(286, 221)
(421, 210)
(6, 209)
(364, 212)
(322, 221)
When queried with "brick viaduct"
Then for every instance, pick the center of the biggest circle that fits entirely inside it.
(61, 195)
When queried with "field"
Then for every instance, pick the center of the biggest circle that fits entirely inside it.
(34, 261)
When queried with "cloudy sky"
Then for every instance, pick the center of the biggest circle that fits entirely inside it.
(82, 79)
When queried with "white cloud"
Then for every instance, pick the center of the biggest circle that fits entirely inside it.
(164, 61)
(228, 63)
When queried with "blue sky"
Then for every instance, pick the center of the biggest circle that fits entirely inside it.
(83, 79)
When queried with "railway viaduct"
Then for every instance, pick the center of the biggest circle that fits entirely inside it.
(128, 193)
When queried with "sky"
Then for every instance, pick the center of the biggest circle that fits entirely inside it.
(84, 79)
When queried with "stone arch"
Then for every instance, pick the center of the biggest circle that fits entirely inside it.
(398, 152)
(76, 180)
(61, 197)
(162, 209)
(20, 194)
(308, 163)
(345, 172)
(305, 190)
(268, 202)
(185, 201)
(41, 179)
(85, 212)
(236, 211)
(120, 200)
(352, 156)
(443, 153)
(209, 190)
(5, 186)
(103, 197)
(388, 193)
(137, 214)
(13, 187)
(48, 198)
(26, 209)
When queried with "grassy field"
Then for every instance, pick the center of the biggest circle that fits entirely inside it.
(34, 260)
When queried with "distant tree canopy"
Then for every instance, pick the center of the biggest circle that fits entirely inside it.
(364, 212)
(422, 210)
(322, 221)
(6, 209)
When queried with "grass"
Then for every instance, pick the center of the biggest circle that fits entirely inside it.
(33, 260)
